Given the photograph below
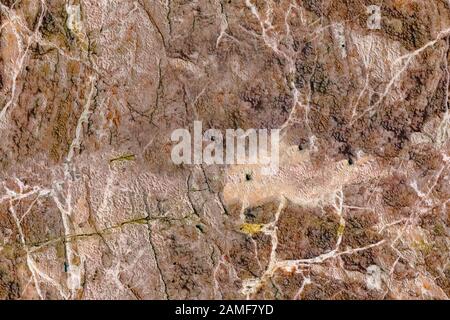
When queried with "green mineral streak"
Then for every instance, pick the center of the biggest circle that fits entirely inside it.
(127, 157)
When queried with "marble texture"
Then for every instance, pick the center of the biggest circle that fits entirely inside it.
(92, 207)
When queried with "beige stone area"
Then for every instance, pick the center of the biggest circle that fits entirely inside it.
(92, 206)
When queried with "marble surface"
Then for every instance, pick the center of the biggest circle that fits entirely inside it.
(92, 207)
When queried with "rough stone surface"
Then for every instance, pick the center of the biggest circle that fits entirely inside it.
(92, 207)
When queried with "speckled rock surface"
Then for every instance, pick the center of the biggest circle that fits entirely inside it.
(92, 207)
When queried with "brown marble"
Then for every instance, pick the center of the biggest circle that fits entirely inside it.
(93, 207)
